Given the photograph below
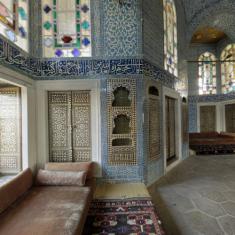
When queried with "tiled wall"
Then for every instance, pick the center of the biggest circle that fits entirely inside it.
(118, 52)
(153, 32)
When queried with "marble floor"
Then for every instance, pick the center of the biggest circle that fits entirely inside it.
(198, 197)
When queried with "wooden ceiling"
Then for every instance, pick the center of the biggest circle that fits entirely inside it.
(207, 35)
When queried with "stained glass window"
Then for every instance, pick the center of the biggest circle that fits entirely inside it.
(207, 74)
(228, 69)
(66, 28)
(14, 21)
(170, 37)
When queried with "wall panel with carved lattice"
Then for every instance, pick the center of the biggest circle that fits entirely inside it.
(170, 127)
(154, 122)
(121, 101)
(207, 118)
(69, 126)
(185, 119)
(10, 130)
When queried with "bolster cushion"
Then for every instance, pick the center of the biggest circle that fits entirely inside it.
(72, 166)
(15, 188)
(61, 178)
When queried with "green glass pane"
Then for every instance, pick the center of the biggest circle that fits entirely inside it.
(78, 2)
(55, 28)
(54, 15)
(47, 25)
(78, 43)
(78, 28)
(85, 25)
(78, 14)
(54, 2)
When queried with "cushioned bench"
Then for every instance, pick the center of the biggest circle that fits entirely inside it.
(212, 142)
(27, 209)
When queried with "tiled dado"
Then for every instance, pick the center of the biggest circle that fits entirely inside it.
(49, 69)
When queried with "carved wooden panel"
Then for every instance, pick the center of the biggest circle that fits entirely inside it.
(230, 118)
(69, 126)
(10, 130)
(185, 119)
(207, 118)
(154, 125)
(60, 126)
(121, 102)
(170, 127)
(81, 126)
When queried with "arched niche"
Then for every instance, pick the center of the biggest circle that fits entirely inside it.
(184, 100)
(121, 97)
(153, 91)
(121, 124)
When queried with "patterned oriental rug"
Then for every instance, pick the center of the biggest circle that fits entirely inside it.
(123, 217)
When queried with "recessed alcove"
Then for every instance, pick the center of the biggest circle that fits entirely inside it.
(122, 142)
(121, 124)
(121, 97)
(153, 91)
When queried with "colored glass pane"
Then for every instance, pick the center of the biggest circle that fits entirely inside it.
(228, 69)
(170, 37)
(14, 21)
(207, 74)
(71, 31)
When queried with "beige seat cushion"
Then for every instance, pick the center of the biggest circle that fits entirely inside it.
(15, 188)
(48, 210)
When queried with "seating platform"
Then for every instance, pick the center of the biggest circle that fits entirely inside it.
(212, 142)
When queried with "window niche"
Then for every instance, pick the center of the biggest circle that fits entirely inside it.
(121, 94)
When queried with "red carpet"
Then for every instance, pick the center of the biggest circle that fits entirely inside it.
(123, 217)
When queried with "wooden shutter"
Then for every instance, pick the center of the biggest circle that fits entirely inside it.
(10, 130)
(60, 126)
(81, 122)
(208, 118)
(185, 135)
(170, 127)
(154, 127)
(230, 118)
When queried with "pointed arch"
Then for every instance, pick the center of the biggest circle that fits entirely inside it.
(207, 74)
(170, 37)
(228, 69)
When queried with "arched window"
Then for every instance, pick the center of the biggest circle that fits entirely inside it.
(66, 28)
(207, 74)
(170, 37)
(14, 18)
(228, 69)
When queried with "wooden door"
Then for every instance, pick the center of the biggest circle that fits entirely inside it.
(70, 126)
(170, 128)
(10, 130)
(230, 118)
(207, 118)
